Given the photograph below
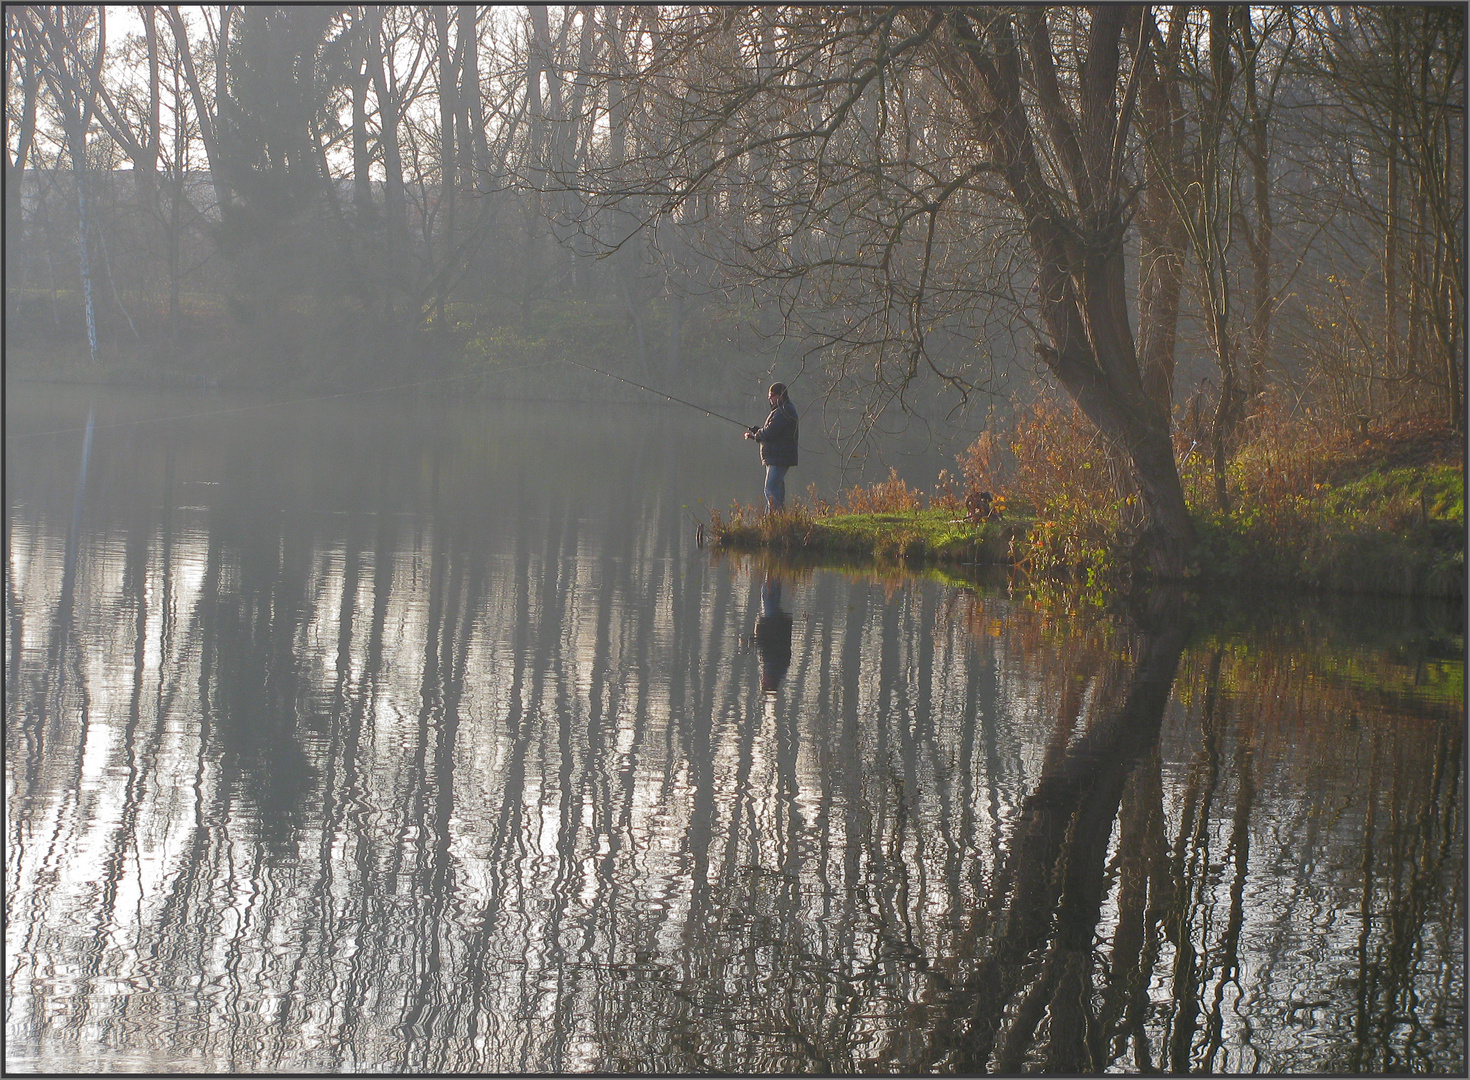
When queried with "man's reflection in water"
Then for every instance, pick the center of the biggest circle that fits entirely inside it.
(772, 635)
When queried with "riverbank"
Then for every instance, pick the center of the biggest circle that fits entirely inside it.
(928, 535)
(1424, 560)
(1384, 515)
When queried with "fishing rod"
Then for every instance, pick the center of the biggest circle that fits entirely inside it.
(660, 393)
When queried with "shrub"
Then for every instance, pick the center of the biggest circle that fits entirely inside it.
(891, 496)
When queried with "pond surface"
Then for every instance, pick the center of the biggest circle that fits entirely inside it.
(379, 737)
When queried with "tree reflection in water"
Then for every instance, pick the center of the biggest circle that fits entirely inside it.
(370, 793)
(1025, 998)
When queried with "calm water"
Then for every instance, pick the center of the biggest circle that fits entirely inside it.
(371, 737)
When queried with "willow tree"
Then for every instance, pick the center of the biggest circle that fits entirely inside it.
(899, 169)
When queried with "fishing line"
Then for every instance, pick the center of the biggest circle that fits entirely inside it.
(358, 393)
(671, 397)
(269, 404)
(660, 393)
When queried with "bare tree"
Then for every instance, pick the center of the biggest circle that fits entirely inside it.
(22, 94)
(1163, 241)
(74, 42)
(1387, 124)
(1263, 53)
(206, 108)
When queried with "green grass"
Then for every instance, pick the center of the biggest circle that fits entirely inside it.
(930, 535)
(1426, 493)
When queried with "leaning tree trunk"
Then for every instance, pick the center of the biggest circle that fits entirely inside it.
(1076, 235)
(1092, 353)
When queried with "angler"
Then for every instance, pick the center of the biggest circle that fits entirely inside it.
(778, 437)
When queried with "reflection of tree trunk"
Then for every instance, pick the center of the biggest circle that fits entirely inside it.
(1238, 853)
(1366, 988)
(531, 668)
(1191, 872)
(1054, 882)
(1126, 995)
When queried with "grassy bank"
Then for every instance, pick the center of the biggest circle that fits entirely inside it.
(931, 534)
(1382, 514)
(1343, 554)
(1394, 530)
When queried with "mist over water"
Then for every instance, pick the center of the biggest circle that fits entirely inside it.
(365, 736)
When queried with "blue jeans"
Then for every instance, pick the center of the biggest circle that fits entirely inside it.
(776, 486)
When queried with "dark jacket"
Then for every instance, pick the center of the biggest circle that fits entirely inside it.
(778, 436)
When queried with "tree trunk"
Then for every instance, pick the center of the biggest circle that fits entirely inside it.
(145, 162)
(1162, 240)
(675, 351)
(74, 88)
(448, 110)
(1391, 249)
(395, 210)
(362, 183)
(1077, 242)
(1093, 363)
(175, 254)
(473, 155)
(538, 108)
(20, 51)
(1212, 240)
(1259, 239)
(78, 141)
(218, 168)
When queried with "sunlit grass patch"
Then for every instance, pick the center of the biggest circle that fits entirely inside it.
(933, 533)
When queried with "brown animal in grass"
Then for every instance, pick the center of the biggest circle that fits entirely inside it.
(980, 506)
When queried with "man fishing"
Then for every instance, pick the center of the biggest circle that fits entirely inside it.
(778, 445)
